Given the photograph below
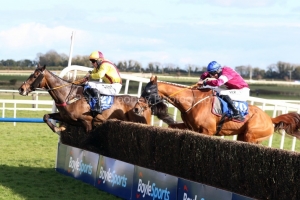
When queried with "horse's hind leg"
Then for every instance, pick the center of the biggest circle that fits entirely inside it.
(259, 128)
(54, 116)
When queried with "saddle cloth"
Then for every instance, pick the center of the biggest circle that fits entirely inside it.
(106, 101)
(220, 107)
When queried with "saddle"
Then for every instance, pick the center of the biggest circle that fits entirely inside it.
(220, 108)
(106, 100)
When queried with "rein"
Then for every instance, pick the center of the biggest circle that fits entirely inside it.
(193, 105)
(61, 86)
(74, 82)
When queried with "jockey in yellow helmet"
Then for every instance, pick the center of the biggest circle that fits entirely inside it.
(108, 73)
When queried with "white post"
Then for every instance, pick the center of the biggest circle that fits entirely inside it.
(126, 87)
(282, 131)
(71, 49)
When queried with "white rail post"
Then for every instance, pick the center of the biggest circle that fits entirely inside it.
(126, 86)
(71, 48)
(273, 115)
(140, 88)
(175, 113)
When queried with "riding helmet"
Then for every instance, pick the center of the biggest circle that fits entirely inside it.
(96, 55)
(213, 66)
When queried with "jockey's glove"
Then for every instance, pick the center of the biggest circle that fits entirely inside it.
(86, 78)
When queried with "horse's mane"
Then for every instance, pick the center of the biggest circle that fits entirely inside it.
(58, 77)
(175, 84)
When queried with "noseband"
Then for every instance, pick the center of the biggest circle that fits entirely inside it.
(142, 108)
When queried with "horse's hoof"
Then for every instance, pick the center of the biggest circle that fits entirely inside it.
(57, 130)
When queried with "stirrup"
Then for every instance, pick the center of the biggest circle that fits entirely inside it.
(99, 111)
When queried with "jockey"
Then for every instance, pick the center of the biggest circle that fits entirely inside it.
(236, 87)
(108, 72)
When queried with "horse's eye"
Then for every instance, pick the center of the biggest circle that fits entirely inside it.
(148, 91)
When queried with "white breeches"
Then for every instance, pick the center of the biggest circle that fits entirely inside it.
(235, 94)
(105, 88)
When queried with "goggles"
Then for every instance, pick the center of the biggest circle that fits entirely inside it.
(213, 73)
(93, 61)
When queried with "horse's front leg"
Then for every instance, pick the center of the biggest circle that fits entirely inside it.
(54, 116)
(178, 126)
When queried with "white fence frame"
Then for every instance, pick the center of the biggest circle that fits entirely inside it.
(276, 106)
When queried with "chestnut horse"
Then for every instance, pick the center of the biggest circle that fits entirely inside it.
(195, 106)
(73, 106)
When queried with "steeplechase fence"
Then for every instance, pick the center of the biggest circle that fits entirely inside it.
(136, 161)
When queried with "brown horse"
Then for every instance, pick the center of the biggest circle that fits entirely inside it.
(195, 106)
(73, 106)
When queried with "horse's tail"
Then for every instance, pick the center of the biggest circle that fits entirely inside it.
(161, 111)
(290, 122)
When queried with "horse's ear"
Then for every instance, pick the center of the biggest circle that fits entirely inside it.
(152, 78)
(155, 79)
(44, 67)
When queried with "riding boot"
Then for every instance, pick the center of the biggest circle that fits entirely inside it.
(97, 95)
(236, 113)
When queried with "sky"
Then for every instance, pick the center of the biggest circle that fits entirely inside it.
(179, 32)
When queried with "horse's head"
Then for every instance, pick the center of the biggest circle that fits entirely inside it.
(33, 81)
(149, 97)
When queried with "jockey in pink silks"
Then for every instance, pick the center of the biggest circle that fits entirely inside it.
(236, 87)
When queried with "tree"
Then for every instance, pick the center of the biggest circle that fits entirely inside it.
(9, 62)
(169, 68)
(52, 58)
(244, 71)
(296, 72)
(283, 69)
(81, 60)
(151, 67)
(27, 63)
(258, 73)
(271, 71)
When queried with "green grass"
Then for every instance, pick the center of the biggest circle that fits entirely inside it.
(27, 161)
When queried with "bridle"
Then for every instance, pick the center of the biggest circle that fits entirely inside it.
(150, 99)
(141, 109)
